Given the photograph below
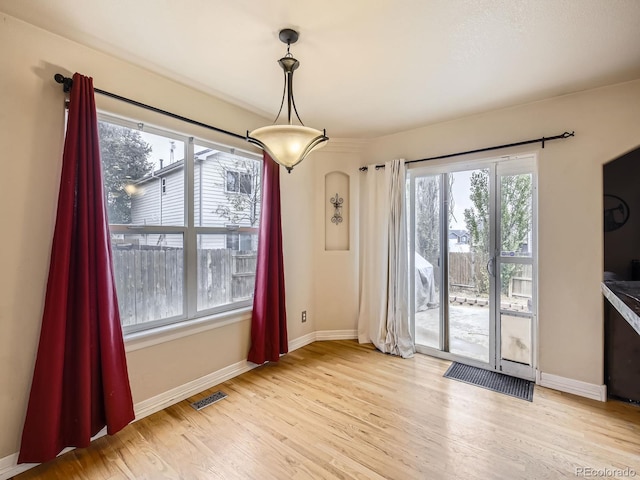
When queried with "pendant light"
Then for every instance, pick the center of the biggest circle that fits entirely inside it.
(288, 144)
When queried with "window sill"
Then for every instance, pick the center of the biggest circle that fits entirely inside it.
(166, 333)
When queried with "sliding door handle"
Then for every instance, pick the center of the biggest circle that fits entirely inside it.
(490, 266)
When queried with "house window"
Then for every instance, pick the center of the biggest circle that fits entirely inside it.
(233, 240)
(162, 246)
(239, 182)
(240, 241)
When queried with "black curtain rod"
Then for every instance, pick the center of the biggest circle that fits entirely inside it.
(67, 83)
(486, 149)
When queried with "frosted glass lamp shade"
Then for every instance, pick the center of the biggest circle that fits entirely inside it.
(288, 145)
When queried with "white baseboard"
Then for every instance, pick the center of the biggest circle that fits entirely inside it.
(322, 335)
(175, 395)
(576, 387)
(302, 341)
(9, 465)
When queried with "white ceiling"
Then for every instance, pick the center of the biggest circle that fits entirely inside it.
(368, 67)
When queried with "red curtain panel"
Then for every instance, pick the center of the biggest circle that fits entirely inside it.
(80, 382)
(269, 317)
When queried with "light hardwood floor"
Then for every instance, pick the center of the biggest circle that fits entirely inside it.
(342, 410)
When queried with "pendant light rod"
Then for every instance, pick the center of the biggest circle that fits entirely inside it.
(289, 36)
(288, 144)
(289, 64)
(289, 79)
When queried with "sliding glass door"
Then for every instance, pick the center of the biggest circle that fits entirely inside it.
(472, 253)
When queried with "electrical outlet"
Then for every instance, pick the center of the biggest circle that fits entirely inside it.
(304, 316)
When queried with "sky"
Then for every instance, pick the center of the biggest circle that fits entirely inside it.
(460, 193)
(161, 149)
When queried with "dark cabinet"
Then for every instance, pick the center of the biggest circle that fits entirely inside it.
(622, 356)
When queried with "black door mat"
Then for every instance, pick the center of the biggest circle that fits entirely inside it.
(498, 382)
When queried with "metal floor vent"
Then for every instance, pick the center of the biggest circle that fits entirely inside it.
(210, 400)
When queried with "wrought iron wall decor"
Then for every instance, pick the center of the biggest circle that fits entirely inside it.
(337, 202)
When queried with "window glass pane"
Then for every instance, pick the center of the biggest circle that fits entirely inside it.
(143, 176)
(232, 181)
(469, 282)
(245, 183)
(225, 276)
(226, 189)
(516, 215)
(149, 276)
(233, 240)
(248, 241)
(427, 261)
(516, 287)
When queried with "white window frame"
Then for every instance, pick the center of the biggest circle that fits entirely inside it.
(190, 313)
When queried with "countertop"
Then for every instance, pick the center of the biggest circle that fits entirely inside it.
(625, 298)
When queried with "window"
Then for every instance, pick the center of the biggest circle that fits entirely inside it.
(241, 241)
(233, 240)
(239, 182)
(162, 246)
(245, 183)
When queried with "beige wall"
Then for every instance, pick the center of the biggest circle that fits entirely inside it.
(607, 124)
(31, 135)
(336, 271)
(297, 244)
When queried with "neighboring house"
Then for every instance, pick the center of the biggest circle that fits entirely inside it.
(459, 241)
(226, 195)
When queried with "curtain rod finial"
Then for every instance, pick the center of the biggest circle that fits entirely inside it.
(66, 82)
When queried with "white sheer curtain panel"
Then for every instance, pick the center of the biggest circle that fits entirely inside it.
(384, 315)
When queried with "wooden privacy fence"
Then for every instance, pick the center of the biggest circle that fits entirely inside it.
(461, 269)
(225, 276)
(466, 270)
(150, 281)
